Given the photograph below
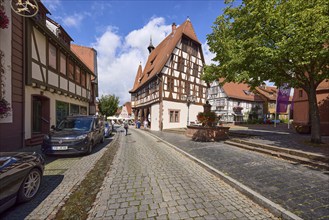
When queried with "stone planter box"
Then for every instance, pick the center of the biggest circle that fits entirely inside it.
(205, 134)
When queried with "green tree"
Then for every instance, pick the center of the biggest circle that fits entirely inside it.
(108, 104)
(283, 41)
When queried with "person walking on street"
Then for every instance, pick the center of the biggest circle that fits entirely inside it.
(145, 123)
(112, 123)
(125, 125)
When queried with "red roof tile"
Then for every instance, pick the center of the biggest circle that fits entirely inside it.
(269, 92)
(240, 91)
(159, 56)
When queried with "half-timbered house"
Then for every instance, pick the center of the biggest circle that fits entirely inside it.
(234, 102)
(45, 80)
(11, 80)
(168, 92)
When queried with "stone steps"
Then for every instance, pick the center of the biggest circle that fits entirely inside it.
(312, 159)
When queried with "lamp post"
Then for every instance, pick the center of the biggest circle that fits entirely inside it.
(189, 100)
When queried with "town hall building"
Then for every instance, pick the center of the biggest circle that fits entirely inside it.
(168, 91)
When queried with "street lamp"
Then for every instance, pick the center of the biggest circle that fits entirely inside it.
(189, 100)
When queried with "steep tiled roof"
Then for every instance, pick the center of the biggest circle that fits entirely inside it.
(240, 91)
(128, 106)
(269, 92)
(86, 54)
(159, 56)
(138, 75)
(324, 85)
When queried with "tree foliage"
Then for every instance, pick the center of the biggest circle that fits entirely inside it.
(108, 104)
(282, 41)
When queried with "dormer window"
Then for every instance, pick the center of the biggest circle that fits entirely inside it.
(153, 60)
(246, 92)
(149, 72)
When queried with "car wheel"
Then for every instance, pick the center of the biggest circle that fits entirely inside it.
(30, 186)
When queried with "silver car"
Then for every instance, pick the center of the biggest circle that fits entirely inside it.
(107, 129)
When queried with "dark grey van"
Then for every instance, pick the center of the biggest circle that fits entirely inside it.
(74, 135)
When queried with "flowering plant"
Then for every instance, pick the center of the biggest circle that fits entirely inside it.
(207, 118)
(237, 109)
(4, 108)
(4, 21)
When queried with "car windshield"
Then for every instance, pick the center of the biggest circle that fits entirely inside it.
(77, 124)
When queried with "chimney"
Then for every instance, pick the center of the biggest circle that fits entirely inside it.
(173, 27)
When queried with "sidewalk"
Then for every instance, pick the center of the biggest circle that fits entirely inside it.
(297, 188)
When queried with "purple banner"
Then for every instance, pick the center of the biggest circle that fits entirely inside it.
(283, 98)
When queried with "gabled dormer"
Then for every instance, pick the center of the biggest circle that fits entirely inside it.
(59, 31)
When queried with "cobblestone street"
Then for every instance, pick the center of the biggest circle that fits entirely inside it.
(151, 180)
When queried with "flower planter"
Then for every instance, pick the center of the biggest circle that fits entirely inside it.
(206, 134)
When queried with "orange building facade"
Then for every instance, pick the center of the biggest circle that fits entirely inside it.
(301, 109)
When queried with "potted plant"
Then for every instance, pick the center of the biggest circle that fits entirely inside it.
(4, 108)
(4, 21)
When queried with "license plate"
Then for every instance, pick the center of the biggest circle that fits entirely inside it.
(60, 148)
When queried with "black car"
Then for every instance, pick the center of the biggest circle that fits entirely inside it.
(74, 135)
(20, 177)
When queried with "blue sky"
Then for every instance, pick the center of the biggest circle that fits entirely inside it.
(120, 31)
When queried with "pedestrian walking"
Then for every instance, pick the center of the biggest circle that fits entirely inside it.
(138, 124)
(145, 124)
(112, 123)
(125, 125)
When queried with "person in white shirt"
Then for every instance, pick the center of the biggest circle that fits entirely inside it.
(145, 123)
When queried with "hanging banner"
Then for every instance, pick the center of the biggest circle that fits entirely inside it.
(283, 98)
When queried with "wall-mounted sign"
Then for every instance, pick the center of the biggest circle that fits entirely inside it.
(25, 8)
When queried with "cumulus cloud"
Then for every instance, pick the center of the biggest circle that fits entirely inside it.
(120, 56)
(208, 56)
(52, 4)
(73, 20)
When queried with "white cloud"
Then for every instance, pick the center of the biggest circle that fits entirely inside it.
(207, 54)
(117, 70)
(73, 20)
(120, 56)
(52, 5)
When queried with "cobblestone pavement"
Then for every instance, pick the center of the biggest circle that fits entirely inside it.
(297, 188)
(150, 180)
(62, 174)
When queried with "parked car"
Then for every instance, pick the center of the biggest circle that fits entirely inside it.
(20, 177)
(107, 129)
(74, 135)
